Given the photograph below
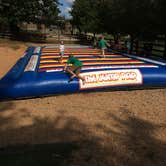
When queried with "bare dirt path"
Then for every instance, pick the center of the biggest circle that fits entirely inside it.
(94, 129)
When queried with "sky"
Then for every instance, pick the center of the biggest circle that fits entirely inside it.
(65, 8)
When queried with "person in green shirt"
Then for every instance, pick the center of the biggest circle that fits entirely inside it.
(103, 45)
(73, 67)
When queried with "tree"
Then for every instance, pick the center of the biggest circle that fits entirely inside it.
(160, 7)
(138, 17)
(85, 15)
(49, 12)
(36, 11)
(132, 17)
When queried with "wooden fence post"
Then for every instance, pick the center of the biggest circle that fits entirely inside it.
(165, 46)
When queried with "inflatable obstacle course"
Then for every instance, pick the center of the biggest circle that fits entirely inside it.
(39, 72)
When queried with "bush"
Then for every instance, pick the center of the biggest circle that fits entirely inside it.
(33, 36)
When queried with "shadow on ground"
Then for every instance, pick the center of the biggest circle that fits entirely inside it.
(65, 141)
(6, 105)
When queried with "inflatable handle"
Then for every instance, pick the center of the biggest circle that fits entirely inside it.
(15, 72)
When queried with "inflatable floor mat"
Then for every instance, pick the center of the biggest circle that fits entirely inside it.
(39, 73)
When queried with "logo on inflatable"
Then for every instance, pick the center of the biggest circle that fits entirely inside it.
(31, 66)
(111, 78)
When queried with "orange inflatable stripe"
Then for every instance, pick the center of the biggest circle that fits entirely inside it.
(89, 52)
(88, 59)
(69, 49)
(75, 53)
(49, 49)
(84, 67)
(93, 63)
(57, 55)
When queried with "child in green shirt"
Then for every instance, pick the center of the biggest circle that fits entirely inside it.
(75, 69)
(103, 45)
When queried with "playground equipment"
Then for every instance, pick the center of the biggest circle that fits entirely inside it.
(39, 73)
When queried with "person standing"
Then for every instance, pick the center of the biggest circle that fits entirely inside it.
(128, 44)
(61, 50)
(103, 45)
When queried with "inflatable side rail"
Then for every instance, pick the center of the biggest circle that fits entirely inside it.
(154, 61)
(16, 71)
(18, 68)
(10, 80)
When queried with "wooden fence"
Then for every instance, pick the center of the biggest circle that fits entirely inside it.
(155, 47)
(24, 36)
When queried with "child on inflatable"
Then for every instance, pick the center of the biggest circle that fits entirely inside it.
(73, 67)
(61, 50)
(103, 45)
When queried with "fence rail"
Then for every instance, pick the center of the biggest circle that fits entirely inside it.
(157, 47)
(6, 35)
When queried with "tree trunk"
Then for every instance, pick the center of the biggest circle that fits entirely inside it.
(14, 27)
(165, 47)
(132, 43)
(94, 35)
(115, 37)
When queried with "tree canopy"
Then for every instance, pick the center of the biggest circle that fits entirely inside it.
(85, 15)
(124, 16)
(36, 11)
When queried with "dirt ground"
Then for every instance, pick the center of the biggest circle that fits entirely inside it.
(119, 128)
